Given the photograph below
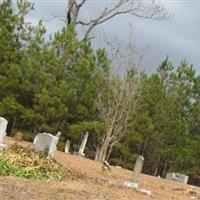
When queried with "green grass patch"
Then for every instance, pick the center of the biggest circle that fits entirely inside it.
(25, 163)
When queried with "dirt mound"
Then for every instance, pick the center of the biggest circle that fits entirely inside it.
(89, 182)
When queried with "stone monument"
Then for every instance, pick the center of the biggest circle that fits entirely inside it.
(3, 127)
(83, 143)
(46, 142)
(136, 173)
(67, 146)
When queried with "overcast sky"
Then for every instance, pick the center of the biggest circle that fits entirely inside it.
(179, 38)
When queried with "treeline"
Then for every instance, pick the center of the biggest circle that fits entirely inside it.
(62, 84)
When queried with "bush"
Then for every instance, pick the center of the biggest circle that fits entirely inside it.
(27, 136)
(25, 163)
(61, 146)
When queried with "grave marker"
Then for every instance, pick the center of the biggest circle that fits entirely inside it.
(136, 173)
(138, 169)
(177, 177)
(46, 142)
(82, 147)
(67, 146)
(35, 139)
(3, 127)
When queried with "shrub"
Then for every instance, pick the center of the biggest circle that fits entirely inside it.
(25, 163)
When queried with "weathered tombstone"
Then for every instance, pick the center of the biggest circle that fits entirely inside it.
(177, 177)
(82, 147)
(182, 178)
(58, 135)
(46, 142)
(35, 139)
(136, 173)
(138, 169)
(97, 154)
(67, 146)
(3, 126)
(171, 176)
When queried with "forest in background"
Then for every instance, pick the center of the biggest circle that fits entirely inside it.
(63, 84)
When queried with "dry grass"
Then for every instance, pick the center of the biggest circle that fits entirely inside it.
(23, 162)
(86, 181)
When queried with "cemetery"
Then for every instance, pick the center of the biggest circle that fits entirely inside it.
(99, 100)
(40, 160)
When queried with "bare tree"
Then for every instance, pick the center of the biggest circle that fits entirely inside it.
(116, 102)
(138, 8)
(115, 109)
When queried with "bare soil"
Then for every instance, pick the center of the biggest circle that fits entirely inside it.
(87, 181)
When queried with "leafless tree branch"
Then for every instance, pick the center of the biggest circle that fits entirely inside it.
(142, 9)
(81, 4)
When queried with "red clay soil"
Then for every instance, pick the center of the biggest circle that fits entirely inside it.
(89, 182)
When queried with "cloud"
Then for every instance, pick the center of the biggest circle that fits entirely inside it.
(178, 38)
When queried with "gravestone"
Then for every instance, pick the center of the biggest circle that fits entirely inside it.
(136, 173)
(46, 142)
(67, 146)
(58, 135)
(138, 169)
(82, 147)
(3, 126)
(35, 139)
(97, 154)
(177, 177)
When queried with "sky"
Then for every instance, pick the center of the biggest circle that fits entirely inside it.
(178, 38)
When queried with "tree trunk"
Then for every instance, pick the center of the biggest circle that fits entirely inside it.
(164, 169)
(105, 144)
(103, 153)
(57, 125)
(104, 149)
(157, 166)
(109, 152)
(72, 13)
(13, 125)
(144, 147)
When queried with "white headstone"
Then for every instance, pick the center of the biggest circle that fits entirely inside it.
(136, 173)
(3, 126)
(130, 184)
(171, 176)
(138, 168)
(35, 139)
(58, 134)
(97, 154)
(182, 178)
(67, 146)
(46, 142)
(177, 177)
(82, 147)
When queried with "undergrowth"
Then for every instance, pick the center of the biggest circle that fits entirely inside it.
(25, 163)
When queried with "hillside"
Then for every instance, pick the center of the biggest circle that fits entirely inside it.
(87, 181)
